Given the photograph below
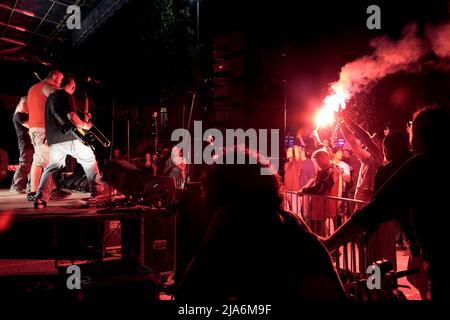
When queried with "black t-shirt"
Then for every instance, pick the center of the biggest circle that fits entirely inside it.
(59, 104)
(418, 192)
(22, 132)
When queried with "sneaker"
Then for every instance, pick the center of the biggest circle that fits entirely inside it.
(58, 194)
(31, 196)
(39, 204)
(99, 194)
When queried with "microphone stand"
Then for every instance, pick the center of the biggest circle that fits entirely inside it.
(129, 118)
(189, 167)
(155, 155)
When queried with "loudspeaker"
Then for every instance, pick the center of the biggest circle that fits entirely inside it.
(160, 241)
(77, 180)
(152, 240)
(157, 191)
(125, 177)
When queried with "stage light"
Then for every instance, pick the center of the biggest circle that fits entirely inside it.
(19, 28)
(25, 12)
(20, 43)
(13, 27)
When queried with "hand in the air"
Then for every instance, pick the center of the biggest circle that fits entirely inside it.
(87, 116)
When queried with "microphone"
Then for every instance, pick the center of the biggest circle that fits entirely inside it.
(37, 76)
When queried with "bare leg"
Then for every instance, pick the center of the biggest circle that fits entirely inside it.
(35, 177)
(40, 157)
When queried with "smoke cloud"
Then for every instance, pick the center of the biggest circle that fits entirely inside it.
(391, 56)
(439, 37)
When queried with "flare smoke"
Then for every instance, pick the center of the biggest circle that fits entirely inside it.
(391, 56)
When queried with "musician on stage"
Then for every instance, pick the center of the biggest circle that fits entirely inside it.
(20, 120)
(36, 99)
(61, 110)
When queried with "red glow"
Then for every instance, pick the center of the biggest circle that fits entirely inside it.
(13, 26)
(25, 12)
(330, 105)
(19, 28)
(20, 43)
(5, 221)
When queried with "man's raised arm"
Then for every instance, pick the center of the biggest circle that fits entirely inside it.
(349, 137)
(365, 138)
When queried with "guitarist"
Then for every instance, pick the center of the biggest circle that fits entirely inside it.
(60, 113)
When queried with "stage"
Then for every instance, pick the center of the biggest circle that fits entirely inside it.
(115, 246)
(17, 205)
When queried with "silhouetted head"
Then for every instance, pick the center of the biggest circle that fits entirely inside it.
(242, 184)
(116, 153)
(68, 84)
(323, 159)
(396, 146)
(430, 130)
(338, 153)
(54, 78)
(289, 153)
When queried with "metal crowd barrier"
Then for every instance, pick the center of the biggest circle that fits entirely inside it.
(179, 183)
(324, 214)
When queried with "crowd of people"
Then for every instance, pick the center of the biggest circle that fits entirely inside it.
(160, 164)
(355, 169)
(254, 248)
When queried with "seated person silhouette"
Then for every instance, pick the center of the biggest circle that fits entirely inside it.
(253, 249)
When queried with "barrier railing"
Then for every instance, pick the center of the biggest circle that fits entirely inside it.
(179, 183)
(324, 214)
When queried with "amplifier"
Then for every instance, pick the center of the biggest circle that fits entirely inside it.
(151, 240)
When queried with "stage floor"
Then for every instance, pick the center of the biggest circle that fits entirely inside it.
(14, 203)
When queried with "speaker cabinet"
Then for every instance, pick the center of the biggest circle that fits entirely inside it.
(151, 240)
